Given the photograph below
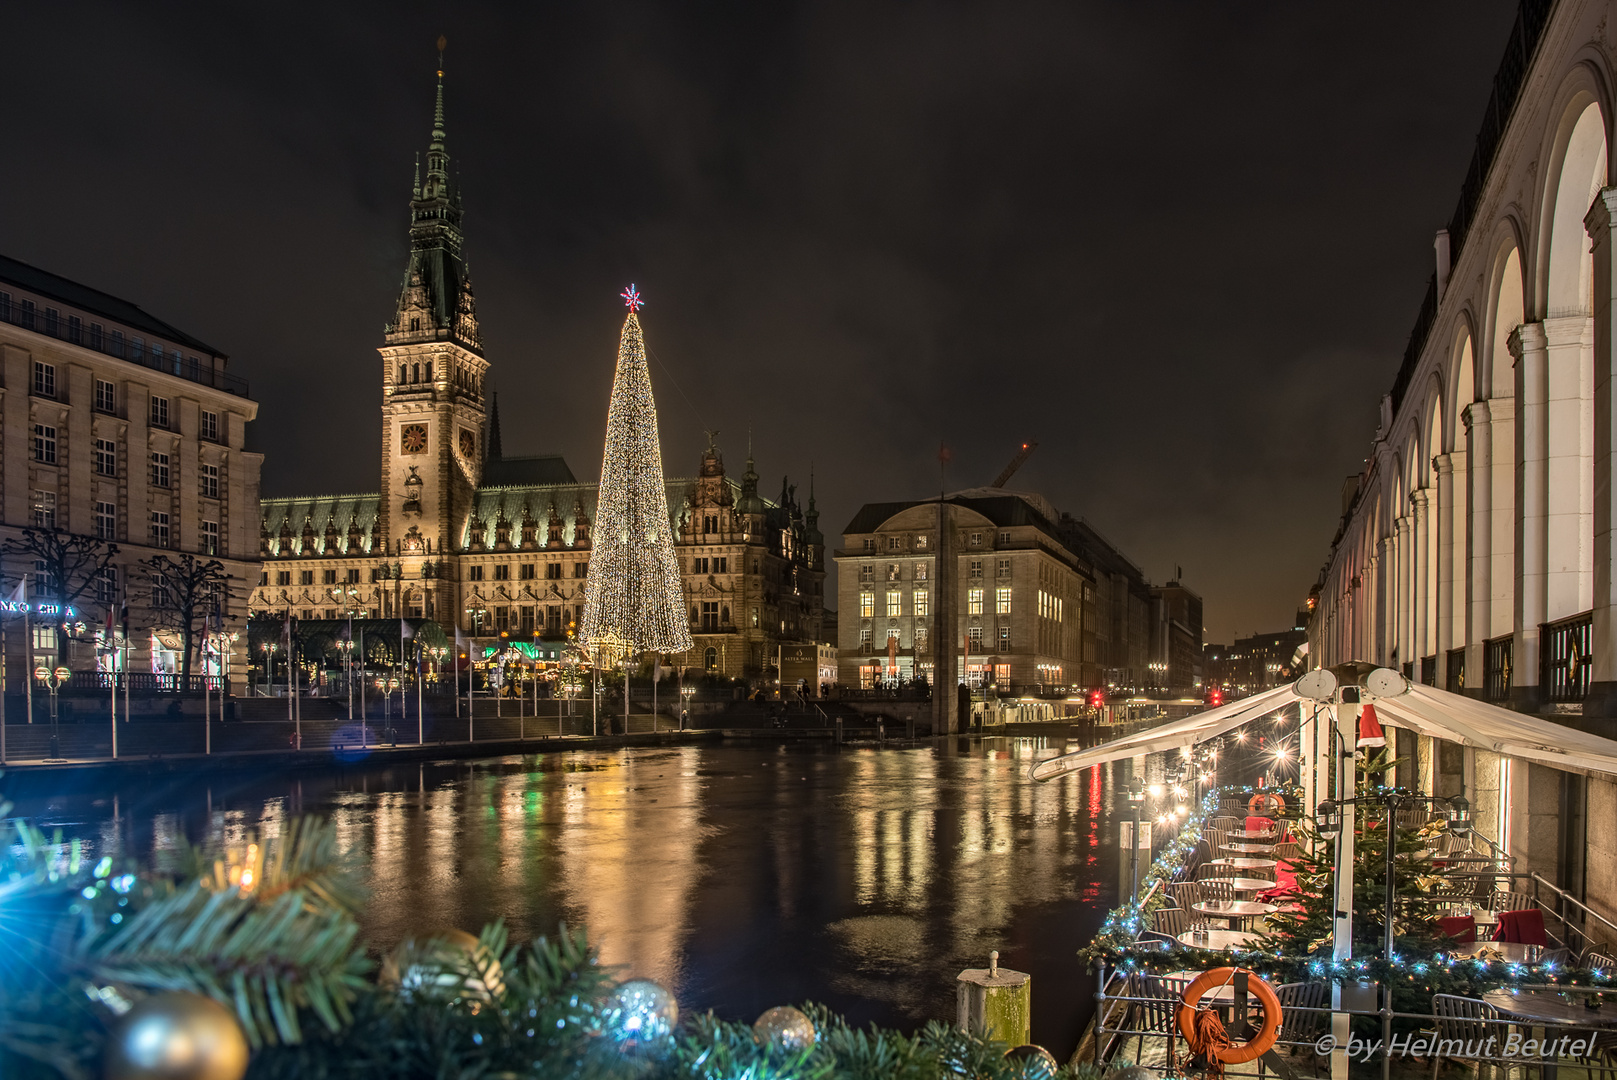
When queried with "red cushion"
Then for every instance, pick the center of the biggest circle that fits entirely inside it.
(1523, 927)
(1259, 824)
(1462, 928)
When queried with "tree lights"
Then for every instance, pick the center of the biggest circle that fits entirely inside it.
(634, 602)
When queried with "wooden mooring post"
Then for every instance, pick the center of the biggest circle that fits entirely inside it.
(997, 1001)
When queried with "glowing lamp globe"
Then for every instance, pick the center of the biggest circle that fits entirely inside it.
(641, 1015)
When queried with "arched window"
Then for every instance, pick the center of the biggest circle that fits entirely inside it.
(711, 660)
(724, 615)
(402, 373)
(415, 373)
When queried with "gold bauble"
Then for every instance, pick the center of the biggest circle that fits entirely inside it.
(177, 1035)
(428, 966)
(785, 1028)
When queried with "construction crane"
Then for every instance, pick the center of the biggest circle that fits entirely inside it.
(1016, 463)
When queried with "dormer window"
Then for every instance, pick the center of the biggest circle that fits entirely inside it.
(415, 324)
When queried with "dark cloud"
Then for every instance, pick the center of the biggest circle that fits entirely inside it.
(1181, 244)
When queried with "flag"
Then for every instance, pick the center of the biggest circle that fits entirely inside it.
(1370, 733)
(404, 630)
(19, 595)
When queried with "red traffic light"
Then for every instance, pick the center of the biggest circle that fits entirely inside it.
(1097, 699)
(1215, 696)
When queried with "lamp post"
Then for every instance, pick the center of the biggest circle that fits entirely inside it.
(268, 648)
(53, 678)
(1136, 799)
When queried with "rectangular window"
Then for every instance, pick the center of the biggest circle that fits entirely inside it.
(160, 593)
(1004, 639)
(974, 601)
(353, 575)
(895, 543)
(429, 370)
(892, 571)
(976, 539)
(283, 577)
(893, 605)
(1004, 537)
(106, 521)
(920, 571)
(53, 322)
(44, 379)
(160, 412)
(867, 605)
(159, 529)
(106, 585)
(106, 396)
(870, 543)
(699, 565)
(864, 639)
(44, 636)
(530, 571)
(920, 602)
(552, 571)
(1004, 568)
(502, 617)
(137, 350)
(710, 523)
(210, 538)
(974, 638)
(581, 569)
(502, 572)
(710, 615)
(75, 329)
(210, 481)
(305, 577)
(1002, 600)
(920, 542)
(45, 444)
(976, 568)
(210, 426)
(117, 343)
(5, 306)
(159, 470)
(920, 639)
(721, 565)
(866, 572)
(98, 340)
(44, 509)
(474, 573)
(328, 577)
(27, 319)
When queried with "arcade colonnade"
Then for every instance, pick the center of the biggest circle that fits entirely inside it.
(1477, 550)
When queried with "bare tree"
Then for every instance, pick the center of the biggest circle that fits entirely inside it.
(65, 566)
(189, 590)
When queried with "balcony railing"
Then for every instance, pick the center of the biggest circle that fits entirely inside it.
(1564, 658)
(1496, 660)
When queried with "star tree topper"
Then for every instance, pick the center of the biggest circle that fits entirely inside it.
(632, 298)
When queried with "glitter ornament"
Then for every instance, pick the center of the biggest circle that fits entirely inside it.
(641, 1016)
(1037, 1062)
(785, 1028)
(177, 1035)
(634, 603)
(445, 965)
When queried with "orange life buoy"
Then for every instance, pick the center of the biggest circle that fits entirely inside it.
(1234, 1054)
(1265, 804)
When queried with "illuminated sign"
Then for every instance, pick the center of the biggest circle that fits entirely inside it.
(48, 609)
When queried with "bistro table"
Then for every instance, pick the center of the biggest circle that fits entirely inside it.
(1252, 834)
(1249, 849)
(1514, 952)
(1237, 910)
(1219, 939)
(1244, 864)
(1549, 1009)
(1246, 884)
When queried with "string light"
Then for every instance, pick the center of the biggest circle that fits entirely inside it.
(634, 601)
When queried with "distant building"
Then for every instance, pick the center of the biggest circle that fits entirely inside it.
(1176, 636)
(121, 427)
(1040, 602)
(1257, 663)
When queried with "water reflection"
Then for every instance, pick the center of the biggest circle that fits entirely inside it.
(742, 877)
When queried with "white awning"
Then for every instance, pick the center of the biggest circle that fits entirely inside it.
(1186, 731)
(1469, 722)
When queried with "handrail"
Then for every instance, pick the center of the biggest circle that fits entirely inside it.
(1574, 901)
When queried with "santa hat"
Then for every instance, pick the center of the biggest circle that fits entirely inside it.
(1370, 733)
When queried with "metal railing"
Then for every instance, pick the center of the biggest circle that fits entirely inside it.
(1566, 648)
(142, 682)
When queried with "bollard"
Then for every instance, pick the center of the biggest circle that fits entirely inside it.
(995, 1000)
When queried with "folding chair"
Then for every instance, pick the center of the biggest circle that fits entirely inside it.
(1462, 1021)
(1170, 921)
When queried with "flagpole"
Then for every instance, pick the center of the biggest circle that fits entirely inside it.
(3, 700)
(28, 647)
(361, 683)
(420, 722)
(112, 663)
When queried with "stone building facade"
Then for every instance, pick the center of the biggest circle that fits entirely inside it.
(116, 425)
(460, 534)
(1477, 549)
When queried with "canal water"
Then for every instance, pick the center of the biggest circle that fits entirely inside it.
(740, 877)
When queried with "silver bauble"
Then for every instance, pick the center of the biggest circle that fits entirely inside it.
(784, 1027)
(437, 966)
(641, 1015)
(176, 1035)
(1037, 1062)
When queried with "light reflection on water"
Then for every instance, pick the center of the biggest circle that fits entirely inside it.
(742, 877)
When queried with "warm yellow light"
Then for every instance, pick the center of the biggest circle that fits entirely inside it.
(1156, 791)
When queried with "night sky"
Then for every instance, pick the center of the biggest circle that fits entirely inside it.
(1181, 245)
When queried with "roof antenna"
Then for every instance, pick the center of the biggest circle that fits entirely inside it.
(443, 42)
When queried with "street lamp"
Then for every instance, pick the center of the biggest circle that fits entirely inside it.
(53, 678)
(1136, 797)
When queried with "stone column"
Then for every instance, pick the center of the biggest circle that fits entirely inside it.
(1403, 623)
(1380, 617)
(1447, 518)
(1602, 699)
(1420, 575)
(1528, 347)
(1569, 517)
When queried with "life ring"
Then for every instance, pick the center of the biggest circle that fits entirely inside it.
(1231, 1054)
(1265, 804)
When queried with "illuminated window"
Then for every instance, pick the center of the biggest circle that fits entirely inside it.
(1004, 639)
(920, 571)
(920, 542)
(920, 639)
(976, 539)
(893, 572)
(893, 605)
(920, 602)
(1002, 600)
(867, 605)
(974, 601)
(44, 509)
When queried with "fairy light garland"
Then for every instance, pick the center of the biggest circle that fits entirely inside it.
(634, 601)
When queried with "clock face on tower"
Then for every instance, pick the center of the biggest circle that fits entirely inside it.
(468, 444)
(414, 438)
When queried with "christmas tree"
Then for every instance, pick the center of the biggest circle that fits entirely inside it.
(634, 602)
